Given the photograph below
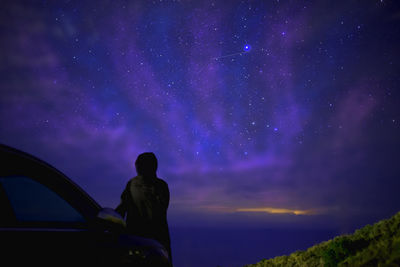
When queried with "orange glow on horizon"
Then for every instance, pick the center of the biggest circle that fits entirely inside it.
(277, 211)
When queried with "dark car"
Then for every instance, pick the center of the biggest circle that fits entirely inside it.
(47, 219)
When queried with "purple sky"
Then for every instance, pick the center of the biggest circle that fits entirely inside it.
(307, 119)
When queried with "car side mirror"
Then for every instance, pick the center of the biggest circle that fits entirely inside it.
(111, 220)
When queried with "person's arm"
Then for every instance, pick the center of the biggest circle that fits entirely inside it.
(122, 207)
(166, 195)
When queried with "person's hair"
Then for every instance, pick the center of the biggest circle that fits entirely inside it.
(146, 164)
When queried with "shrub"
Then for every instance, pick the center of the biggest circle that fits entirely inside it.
(373, 245)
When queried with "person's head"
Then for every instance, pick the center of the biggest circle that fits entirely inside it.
(146, 164)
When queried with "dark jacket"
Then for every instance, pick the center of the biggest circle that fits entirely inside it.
(145, 202)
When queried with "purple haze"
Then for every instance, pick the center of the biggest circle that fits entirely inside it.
(307, 120)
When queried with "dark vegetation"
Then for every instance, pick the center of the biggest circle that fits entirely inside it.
(372, 245)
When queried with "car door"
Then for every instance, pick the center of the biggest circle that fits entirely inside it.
(39, 226)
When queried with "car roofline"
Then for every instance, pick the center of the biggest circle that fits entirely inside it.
(9, 149)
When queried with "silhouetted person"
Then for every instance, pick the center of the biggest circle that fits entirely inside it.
(145, 202)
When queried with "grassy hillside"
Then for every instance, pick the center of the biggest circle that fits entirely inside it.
(372, 245)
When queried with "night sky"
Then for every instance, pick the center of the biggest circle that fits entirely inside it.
(261, 113)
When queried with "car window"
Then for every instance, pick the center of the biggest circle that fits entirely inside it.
(34, 202)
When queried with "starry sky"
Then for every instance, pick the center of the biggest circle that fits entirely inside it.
(260, 112)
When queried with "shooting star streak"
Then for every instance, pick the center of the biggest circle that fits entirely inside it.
(231, 55)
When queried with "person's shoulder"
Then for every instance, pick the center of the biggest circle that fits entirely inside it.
(133, 180)
(161, 181)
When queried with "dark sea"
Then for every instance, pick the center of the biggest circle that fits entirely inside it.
(212, 247)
